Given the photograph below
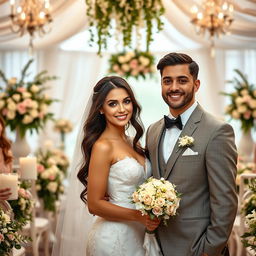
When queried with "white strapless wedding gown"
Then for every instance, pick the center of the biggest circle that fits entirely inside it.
(108, 238)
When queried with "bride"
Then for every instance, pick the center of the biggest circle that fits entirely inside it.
(113, 165)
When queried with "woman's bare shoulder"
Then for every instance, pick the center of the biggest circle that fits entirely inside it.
(102, 146)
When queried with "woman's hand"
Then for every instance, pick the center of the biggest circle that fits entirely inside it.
(150, 224)
(5, 194)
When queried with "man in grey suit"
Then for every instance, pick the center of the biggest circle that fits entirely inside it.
(203, 171)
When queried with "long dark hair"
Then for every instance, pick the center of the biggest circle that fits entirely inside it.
(5, 144)
(96, 123)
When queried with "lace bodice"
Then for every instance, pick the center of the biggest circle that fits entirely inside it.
(124, 177)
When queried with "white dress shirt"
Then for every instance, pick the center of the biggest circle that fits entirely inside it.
(172, 134)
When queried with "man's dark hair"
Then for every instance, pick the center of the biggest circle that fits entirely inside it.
(174, 58)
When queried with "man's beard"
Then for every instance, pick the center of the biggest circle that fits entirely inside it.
(187, 99)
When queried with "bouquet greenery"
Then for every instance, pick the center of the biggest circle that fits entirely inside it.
(51, 170)
(23, 104)
(132, 64)
(127, 16)
(9, 236)
(243, 101)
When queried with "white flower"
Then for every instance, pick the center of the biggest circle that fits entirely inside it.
(125, 67)
(26, 95)
(121, 59)
(241, 109)
(10, 115)
(235, 114)
(2, 95)
(2, 103)
(12, 81)
(52, 186)
(34, 88)
(34, 113)
(34, 104)
(16, 97)
(11, 106)
(45, 175)
(186, 141)
(27, 119)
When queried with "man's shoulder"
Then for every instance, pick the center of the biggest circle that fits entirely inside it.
(155, 124)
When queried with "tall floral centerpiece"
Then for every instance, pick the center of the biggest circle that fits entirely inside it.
(243, 108)
(122, 18)
(24, 104)
(132, 64)
(63, 126)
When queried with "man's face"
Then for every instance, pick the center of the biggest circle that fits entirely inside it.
(178, 88)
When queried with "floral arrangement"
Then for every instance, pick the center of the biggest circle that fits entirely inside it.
(23, 206)
(249, 237)
(186, 141)
(244, 167)
(9, 236)
(243, 101)
(157, 198)
(127, 16)
(63, 126)
(51, 169)
(24, 105)
(136, 64)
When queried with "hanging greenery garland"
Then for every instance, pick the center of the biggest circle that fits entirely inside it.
(128, 15)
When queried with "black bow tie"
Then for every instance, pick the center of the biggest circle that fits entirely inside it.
(172, 122)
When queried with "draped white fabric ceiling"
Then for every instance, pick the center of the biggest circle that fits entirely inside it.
(70, 18)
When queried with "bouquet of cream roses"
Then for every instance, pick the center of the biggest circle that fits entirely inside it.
(157, 198)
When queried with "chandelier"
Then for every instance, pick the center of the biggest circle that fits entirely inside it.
(30, 16)
(214, 17)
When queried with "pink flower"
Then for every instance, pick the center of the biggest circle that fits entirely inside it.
(52, 177)
(1, 237)
(247, 115)
(41, 115)
(133, 63)
(21, 107)
(21, 89)
(10, 236)
(5, 111)
(40, 168)
(22, 192)
(28, 102)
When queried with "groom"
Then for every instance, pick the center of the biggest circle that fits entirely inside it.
(203, 171)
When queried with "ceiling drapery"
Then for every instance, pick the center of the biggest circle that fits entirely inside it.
(70, 18)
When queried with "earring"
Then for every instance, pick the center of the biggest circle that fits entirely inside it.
(101, 113)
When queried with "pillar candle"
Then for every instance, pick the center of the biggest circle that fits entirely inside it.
(10, 180)
(28, 168)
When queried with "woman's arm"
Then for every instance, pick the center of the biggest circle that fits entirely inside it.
(100, 162)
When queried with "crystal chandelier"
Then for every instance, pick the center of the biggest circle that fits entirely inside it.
(214, 16)
(30, 16)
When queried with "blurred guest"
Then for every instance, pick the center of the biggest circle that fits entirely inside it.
(5, 158)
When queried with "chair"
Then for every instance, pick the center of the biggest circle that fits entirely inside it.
(7, 208)
(236, 246)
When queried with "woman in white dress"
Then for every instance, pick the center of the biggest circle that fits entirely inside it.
(114, 165)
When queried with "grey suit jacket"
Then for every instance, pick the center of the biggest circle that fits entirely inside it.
(206, 181)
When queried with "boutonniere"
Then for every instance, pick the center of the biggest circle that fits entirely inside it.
(186, 141)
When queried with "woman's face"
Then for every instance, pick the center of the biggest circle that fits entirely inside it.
(117, 107)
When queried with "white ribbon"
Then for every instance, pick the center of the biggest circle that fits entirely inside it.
(151, 246)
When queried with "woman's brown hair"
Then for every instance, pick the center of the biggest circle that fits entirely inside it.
(5, 144)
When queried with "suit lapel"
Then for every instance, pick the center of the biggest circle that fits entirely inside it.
(188, 130)
(157, 138)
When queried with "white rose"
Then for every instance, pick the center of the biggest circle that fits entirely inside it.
(34, 104)
(241, 109)
(2, 103)
(34, 88)
(27, 119)
(130, 54)
(147, 199)
(26, 95)
(34, 113)
(11, 106)
(10, 115)
(45, 175)
(235, 114)
(38, 187)
(157, 211)
(51, 161)
(239, 100)
(12, 81)
(125, 67)
(43, 107)
(252, 104)
(160, 202)
(244, 92)
(16, 97)
(121, 59)
(52, 186)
